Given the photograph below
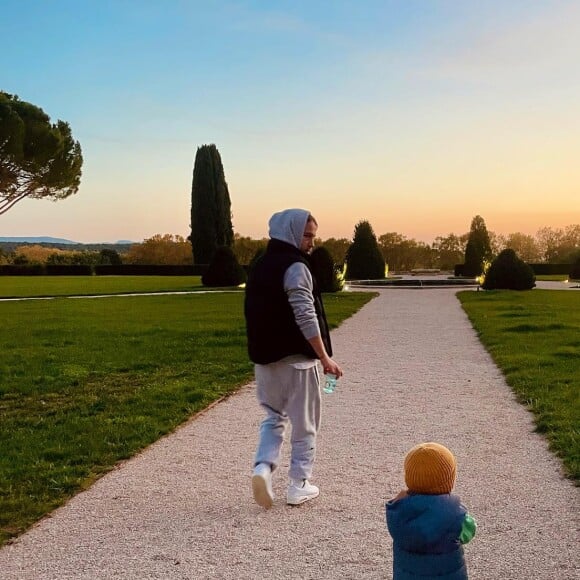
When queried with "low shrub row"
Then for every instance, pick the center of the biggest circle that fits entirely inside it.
(551, 269)
(101, 270)
(538, 269)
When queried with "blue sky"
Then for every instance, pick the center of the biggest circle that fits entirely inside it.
(416, 115)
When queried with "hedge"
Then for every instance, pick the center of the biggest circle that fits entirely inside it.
(149, 270)
(68, 270)
(21, 270)
(551, 269)
(539, 269)
(101, 270)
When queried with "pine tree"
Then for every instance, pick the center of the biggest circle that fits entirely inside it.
(211, 218)
(38, 159)
(364, 260)
(478, 248)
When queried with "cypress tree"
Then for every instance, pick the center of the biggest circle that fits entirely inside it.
(364, 260)
(211, 218)
(478, 248)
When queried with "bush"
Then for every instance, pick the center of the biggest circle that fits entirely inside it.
(224, 269)
(363, 258)
(508, 272)
(327, 274)
(575, 270)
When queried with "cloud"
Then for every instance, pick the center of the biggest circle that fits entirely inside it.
(525, 46)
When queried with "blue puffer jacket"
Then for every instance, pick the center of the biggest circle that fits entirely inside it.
(425, 531)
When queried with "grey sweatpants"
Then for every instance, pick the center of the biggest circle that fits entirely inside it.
(288, 394)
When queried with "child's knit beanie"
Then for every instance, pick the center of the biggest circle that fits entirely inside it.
(430, 469)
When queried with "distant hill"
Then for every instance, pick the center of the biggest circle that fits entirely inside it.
(37, 240)
(9, 244)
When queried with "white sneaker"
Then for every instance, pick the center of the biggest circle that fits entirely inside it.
(262, 485)
(301, 490)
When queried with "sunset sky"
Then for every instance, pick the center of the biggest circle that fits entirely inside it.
(414, 114)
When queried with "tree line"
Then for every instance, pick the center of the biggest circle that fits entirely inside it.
(549, 245)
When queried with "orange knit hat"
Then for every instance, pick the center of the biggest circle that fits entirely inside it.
(430, 469)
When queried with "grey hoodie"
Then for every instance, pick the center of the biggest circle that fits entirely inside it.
(288, 226)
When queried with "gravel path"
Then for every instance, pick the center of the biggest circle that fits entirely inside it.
(414, 371)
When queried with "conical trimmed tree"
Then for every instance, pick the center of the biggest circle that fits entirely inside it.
(325, 271)
(575, 270)
(478, 248)
(364, 260)
(508, 272)
(211, 217)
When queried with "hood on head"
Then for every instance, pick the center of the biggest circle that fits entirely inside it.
(288, 226)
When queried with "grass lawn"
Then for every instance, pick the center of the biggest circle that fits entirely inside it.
(85, 383)
(534, 337)
(28, 286)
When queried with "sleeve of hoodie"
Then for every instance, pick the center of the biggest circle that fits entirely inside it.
(298, 286)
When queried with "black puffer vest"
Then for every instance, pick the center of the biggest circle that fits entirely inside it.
(271, 328)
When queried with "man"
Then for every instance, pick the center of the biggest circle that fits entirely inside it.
(287, 335)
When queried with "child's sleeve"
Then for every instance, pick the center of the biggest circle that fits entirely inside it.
(467, 530)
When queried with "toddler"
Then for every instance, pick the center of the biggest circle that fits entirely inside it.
(428, 524)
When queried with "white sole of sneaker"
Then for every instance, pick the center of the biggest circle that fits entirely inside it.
(261, 495)
(301, 500)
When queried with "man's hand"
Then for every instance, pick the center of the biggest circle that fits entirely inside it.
(329, 366)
